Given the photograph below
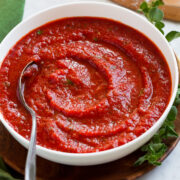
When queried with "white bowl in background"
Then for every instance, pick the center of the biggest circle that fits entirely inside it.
(93, 9)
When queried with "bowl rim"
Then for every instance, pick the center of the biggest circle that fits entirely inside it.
(41, 149)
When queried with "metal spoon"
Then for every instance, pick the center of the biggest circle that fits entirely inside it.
(30, 168)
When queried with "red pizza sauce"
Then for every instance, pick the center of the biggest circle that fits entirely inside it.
(96, 84)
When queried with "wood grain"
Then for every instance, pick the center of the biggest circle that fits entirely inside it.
(171, 8)
(14, 155)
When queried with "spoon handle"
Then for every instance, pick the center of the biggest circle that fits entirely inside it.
(30, 169)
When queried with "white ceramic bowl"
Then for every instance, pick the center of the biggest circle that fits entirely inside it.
(98, 10)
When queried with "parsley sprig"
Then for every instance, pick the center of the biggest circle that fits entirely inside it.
(156, 147)
(39, 32)
(155, 16)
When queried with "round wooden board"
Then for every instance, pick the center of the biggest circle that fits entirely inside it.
(14, 155)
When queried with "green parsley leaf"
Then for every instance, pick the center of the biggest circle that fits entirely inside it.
(140, 161)
(39, 32)
(141, 91)
(155, 14)
(157, 3)
(69, 82)
(177, 102)
(95, 39)
(172, 114)
(172, 35)
(177, 99)
(144, 6)
(160, 26)
(171, 132)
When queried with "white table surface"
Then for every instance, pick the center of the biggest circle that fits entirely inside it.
(170, 169)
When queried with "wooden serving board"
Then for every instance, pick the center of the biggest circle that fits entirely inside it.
(171, 8)
(15, 155)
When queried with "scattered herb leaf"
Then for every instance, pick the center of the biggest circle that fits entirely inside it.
(172, 35)
(141, 91)
(144, 7)
(39, 32)
(95, 39)
(69, 82)
(157, 3)
(155, 14)
(160, 26)
(177, 99)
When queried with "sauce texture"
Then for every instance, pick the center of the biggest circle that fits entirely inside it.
(97, 84)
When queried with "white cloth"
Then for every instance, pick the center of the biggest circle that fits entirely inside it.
(170, 169)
